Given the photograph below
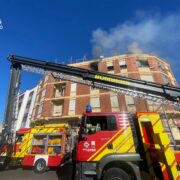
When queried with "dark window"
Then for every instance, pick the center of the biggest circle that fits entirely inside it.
(94, 66)
(142, 63)
(123, 66)
(31, 93)
(110, 68)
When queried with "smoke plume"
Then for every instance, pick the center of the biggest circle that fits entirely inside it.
(145, 33)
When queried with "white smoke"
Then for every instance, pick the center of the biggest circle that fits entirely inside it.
(134, 48)
(148, 34)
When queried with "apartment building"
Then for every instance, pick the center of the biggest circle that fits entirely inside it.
(23, 109)
(60, 101)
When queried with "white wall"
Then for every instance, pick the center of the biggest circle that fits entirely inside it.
(19, 123)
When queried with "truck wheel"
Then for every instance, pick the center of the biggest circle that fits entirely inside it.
(40, 166)
(115, 174)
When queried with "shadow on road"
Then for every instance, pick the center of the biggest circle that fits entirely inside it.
(65, 172)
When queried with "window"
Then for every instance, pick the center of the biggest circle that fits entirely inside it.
(95, 102)
(57, 109)
(152, 106)
(110, 66)
(21, 98)
(37, 98)
(147, 77)
(60, 91)
(29, 98)
(43, 93)
(72, 105)
(73, 87)
(142, 63)
(161, 67)
(165, 79)
(26, 110)
(99, 123)
(30, 95)
(130, 104)
(94, 66)
(122, 64)
(40, 109)
(166, 67)
(129, 100)
(114, 102)
(46, 79)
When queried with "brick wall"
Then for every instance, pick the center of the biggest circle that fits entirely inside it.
(81, 103)
(105, 103)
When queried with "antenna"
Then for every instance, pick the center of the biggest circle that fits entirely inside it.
(84, 57)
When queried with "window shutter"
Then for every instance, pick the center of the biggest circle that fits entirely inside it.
(114, 101)
(72, 105)
(147, 77)
(73, 87)
(95, 102)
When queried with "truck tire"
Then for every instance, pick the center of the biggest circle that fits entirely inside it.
(40, 166)
(115, 174)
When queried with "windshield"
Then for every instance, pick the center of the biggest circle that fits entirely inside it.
(93, 124)
(19, 138)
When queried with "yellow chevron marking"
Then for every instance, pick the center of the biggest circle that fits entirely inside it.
(122, 142)
(128, 147)
(104, 145)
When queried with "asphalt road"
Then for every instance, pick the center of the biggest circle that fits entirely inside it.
(63, 173)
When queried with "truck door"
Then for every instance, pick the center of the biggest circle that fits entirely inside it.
(96, 137)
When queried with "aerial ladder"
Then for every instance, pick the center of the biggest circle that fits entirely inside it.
(161, 94)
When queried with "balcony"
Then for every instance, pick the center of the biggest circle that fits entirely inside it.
(59, 90)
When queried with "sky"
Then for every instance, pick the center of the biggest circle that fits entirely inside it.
(65, 31)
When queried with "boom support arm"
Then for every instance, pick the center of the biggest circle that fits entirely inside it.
(9, 111)
(138, 88)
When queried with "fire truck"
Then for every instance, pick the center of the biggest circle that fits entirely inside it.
(119, 145)
(39, 147)
(110, 145)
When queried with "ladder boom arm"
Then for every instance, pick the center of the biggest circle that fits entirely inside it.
(169, 93)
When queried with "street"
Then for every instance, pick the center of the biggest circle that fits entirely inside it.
(63, 173)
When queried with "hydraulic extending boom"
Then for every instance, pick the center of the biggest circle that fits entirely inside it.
(161, 94)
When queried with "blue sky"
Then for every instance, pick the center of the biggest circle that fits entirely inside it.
(60, 29)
